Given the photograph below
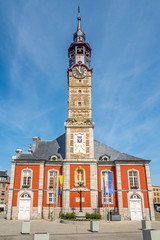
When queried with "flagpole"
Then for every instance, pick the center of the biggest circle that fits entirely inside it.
(53, 194)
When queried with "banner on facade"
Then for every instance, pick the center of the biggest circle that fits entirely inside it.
(60, 184)
(110, 183)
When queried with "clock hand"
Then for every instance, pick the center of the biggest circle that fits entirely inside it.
(79, 70)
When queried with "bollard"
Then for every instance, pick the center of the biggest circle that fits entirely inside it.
(146, 224)
(41, 236)
(151, 234)
(26, 227)
(94, 226)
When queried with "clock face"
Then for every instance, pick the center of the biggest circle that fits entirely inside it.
(79, 72)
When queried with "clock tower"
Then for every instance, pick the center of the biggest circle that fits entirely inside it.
(79, 165)
(79, 125)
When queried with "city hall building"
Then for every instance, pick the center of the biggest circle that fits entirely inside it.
(80, 159)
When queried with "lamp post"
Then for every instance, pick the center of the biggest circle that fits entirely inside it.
(80, 191)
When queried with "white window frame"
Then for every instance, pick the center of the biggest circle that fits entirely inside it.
(105, 199)
(22, 176)
(51, 190)
(138, 179)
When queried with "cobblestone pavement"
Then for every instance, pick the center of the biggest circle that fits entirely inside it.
(11, 230)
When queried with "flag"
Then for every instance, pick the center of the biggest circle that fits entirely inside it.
(60, 183)
(110, 183)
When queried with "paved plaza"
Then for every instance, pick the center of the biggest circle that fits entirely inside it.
(11, 230)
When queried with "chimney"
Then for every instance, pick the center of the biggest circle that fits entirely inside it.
(6, 172)
(36, 141)
(18, 152)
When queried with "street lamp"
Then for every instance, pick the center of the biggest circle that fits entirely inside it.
(80, 191)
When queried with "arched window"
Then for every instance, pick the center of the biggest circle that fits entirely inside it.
(133, 176)
(26, 178)
(79, 177)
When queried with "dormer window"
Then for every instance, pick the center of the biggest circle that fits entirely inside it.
(104, 158)
(54, 158)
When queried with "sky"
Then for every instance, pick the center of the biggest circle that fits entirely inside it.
(125, 38)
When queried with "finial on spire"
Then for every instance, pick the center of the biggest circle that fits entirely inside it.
(79, 19)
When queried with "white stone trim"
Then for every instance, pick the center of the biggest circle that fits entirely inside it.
(11, 187)
(67, 150)
(40, 192)
(133, 169)
(22, 175)
(119, 189)
(150, 196)
(28, 191)
(129, 194)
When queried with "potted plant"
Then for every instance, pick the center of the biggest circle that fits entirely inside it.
(134, 187)
(25, 186)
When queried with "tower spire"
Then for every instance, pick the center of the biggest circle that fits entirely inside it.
(79, 20)
(79, 36)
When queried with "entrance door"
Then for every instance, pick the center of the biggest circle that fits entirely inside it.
(135, 208)
(24, 207)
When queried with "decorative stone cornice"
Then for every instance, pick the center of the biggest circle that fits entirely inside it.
(79, 122)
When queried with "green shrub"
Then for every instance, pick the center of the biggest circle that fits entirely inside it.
(93, 216)
(72, 216)
(62, 216)
(68, 216)
(88, 215)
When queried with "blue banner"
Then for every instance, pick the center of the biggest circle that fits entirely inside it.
(110, 183)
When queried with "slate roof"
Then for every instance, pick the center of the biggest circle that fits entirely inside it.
(46, 149)
(3, 174)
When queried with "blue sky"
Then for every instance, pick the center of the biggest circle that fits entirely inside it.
(125, 38)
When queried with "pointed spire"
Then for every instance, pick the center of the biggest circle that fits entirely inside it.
(79, 20)
(79, 35)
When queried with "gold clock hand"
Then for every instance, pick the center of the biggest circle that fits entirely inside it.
(78, 70)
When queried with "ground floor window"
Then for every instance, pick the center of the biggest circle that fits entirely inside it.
(52, 198)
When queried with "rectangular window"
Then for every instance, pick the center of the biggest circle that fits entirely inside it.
(105, 199)
(3, 185)
(1, 200)
(133, 180)
(26, 178)
(52, 197)
(2, 193)
(53, 179)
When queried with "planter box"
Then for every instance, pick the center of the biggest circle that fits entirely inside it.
(94, 226)
(41, 236)
(151, 234)
(26, 227)
(115, 217)
(146, 224)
